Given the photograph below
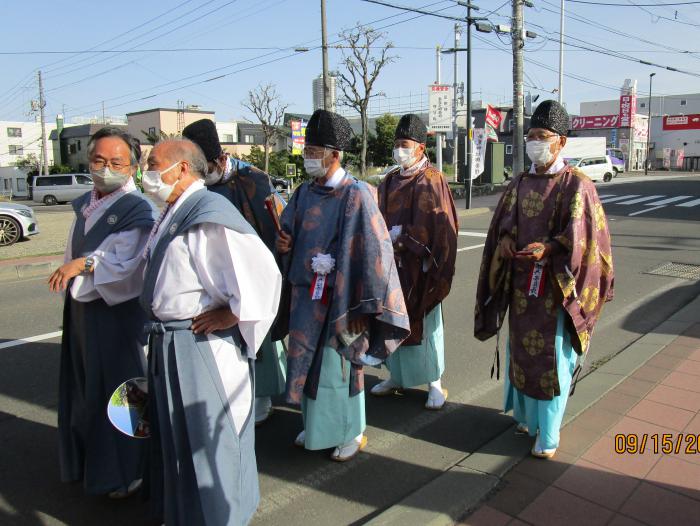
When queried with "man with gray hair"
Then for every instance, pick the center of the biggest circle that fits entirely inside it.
(211, 289)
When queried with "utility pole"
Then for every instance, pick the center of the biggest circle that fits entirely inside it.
(438, 135)
(455, 134)
(327, 105)
(104, 120)
(518, 44)
(646, 161)
(42, 105)
(561, 54)
(468, 173)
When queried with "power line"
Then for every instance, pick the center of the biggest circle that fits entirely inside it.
(630, 5)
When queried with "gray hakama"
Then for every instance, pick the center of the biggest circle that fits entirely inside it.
(101, 347)
(203, 472)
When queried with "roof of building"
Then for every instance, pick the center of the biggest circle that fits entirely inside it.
(184, 110)
(82, 130)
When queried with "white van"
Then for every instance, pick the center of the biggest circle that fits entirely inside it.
(596, 168)
(60, 188)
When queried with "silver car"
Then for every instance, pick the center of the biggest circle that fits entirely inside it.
(16, 221)
(60, 188)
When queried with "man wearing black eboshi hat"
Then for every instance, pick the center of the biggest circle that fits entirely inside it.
(425, 249)
(346, 307)
(549, 245)
(247, 188)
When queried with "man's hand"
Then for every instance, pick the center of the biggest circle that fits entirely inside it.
(284, 242)
(534, 252)
(58, 281)
(214, 320)
(507, 247)
(358, 324)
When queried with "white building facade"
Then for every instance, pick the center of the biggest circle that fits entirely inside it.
(18, 139)
(317, 87)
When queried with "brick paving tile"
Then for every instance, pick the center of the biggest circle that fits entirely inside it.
(652, 374)
(661, 414)
(546, 471)
(633, 426)
(597, 484)
(576, 439)
(558, 507)
(664, 361)
(689, 367)
(693, 331)
(515, 492)
(622, 520)
(635, 386)
(658, 506)
(675, 397)
(689, 341)
(677, 475)
(695, 356)
(517, 522)
(694, 426)
(595, 419)
(617, 402)
(635, 465)
(486, 516)
(678, 351)
(680, 380)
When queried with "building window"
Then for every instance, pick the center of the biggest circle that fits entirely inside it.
(14, 132)
(152, 131)
(228, 137)
(16, 149)
(21, 185)
(643, 105)
(684, 102)
(510, 125)
(509, 149)
(72, 148)
(79, 145)
(7, 183)
(249, 139)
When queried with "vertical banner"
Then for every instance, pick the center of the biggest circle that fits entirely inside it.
(478, 152)
(628, 107)
(298, 136)
(493, 121)
(440, 98)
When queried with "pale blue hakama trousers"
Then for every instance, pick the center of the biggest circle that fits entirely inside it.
(335, 417)
(270, 368)
(544, 416)
(413, 365)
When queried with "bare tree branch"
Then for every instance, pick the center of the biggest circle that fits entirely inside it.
(265, 103)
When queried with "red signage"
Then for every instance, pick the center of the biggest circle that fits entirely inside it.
(493, 117)
(597, 121)
(628, 107)
(682, 122)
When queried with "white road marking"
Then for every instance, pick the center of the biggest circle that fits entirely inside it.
(644, 211)
(473, 247)
(619, 198)
(694, 202)
(472, 234)
(30, 339)
(603, 196)
(669, 200)
(639, 200)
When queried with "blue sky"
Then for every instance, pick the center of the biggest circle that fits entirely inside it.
(150, 75)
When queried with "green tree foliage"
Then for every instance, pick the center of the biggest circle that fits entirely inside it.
(278, 161)
(382, 143)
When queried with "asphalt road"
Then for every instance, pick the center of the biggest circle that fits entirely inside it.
(653, 222)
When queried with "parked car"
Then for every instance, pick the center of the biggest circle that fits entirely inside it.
(617, 158)
(596, 168)
(279, 183)
(16, 221)
(52, 189)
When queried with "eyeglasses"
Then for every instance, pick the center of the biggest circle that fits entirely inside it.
(314, 152)
(99, 164)
(541, 137)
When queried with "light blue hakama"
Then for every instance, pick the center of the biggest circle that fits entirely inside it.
(413, 365)
(544, 416)
(270, 368)
(335, 417)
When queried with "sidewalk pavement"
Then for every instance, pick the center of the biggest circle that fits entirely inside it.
(646, 398)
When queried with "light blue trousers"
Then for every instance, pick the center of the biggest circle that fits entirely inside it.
(544, 416)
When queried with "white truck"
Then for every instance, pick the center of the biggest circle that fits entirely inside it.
(579, 147)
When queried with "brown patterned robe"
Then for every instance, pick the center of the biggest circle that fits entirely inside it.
(420, 202)
(563, 207)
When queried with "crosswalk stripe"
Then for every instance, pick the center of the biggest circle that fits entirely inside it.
(639, 200)
(603, 196)
(669, 200)
(645, 210)
(619, 198)
(694, 202)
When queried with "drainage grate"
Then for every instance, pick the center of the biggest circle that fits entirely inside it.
(676, 270)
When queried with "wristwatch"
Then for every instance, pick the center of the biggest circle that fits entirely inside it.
(89, 264)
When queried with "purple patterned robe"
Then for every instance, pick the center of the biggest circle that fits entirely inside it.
(346, 223)
(563, 207)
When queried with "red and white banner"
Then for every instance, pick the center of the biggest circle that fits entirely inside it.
(493, 117)
(682, 122)
(628, 107)
(597, 121)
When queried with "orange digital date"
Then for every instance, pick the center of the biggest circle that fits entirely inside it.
(665, 443)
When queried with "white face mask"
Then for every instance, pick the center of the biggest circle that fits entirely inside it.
(314, 167)
(404, 157)
(539, 152)
(154, 186)
(106, 181)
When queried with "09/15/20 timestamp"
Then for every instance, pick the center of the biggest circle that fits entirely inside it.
(666, 443)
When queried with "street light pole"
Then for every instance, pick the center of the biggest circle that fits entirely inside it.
(468, 173)
(561, 54)
(646, 161)
(438, 135)
(324, 51)
(455, 128)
